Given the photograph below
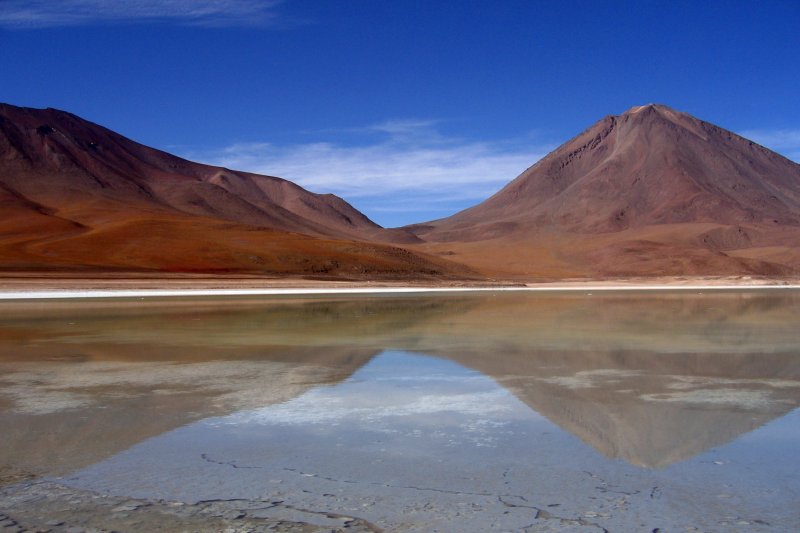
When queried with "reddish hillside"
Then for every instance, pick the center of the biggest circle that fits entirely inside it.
(650, 192)
(76, 195)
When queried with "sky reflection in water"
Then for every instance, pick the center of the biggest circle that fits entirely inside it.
(469, 412)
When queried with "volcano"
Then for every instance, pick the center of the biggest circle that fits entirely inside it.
(651, 192)
(77, 196)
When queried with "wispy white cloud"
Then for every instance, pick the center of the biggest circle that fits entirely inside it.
(53, 13)
(786, 141)
(408, 165)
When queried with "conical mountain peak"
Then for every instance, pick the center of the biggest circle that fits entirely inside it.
(652, 174)
(656, 111)
(648, 108)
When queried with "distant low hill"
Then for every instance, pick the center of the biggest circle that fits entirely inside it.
(650, 192)
(77, 196)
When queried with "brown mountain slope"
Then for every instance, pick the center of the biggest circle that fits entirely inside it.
(76, 195)
(650, 192)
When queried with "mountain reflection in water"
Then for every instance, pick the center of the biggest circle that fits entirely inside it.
(650, 379)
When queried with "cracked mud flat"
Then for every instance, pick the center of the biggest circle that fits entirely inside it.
(234, 433)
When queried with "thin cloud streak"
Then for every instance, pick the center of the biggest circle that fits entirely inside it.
(29, 14)
(402, 168)
(468, 171)
(414, 163)
(785, 141)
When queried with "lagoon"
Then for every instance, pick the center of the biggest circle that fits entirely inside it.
(490, 411)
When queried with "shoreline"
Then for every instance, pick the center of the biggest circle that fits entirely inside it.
(29, 286)
(68, 294)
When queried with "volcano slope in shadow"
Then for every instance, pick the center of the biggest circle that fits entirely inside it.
(77, 196)
(650, 192)
(648, 379)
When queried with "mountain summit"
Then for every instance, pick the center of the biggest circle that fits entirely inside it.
(651, 191)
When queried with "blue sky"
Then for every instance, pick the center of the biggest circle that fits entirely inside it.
(409, 110)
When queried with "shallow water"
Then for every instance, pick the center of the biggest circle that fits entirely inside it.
(506, 412)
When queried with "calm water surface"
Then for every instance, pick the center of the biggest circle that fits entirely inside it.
(489, 412)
